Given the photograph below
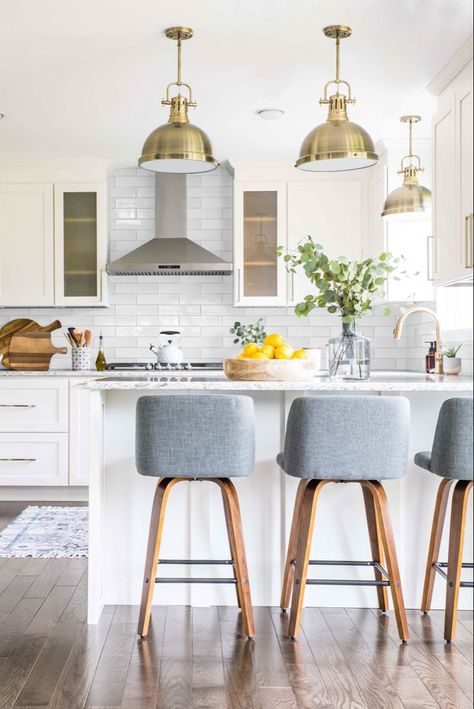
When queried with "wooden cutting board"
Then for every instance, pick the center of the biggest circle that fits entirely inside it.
(32, 351)
(24, 326)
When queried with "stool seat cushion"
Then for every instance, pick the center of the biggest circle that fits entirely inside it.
(195, 436)
(452, 453)
(347, 438)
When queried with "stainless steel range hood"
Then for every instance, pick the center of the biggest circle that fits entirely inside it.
(170, 253)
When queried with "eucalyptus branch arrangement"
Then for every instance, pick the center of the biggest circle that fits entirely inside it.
(248, 333)
(345, 287)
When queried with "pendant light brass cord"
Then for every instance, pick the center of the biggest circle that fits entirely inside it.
(410, 170)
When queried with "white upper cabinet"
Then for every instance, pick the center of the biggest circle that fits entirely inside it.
(452, 183)
(271, 214)
(331, 212)
(259, 227)
(26, 245)
(53, 235)
(80, 239)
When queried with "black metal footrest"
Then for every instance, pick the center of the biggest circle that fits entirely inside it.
(440, 565)
(199, 562)
(348, 582)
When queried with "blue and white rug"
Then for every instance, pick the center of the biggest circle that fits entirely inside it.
(46, 533)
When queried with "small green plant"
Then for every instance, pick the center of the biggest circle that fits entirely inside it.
(451, 351)
(248, 333)
(344, 287)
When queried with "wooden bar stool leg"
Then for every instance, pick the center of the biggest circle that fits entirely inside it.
(233, 550)
(383, 514)
(303, 548)
(160, 500)
(236, 542)
(437, 526)
(456, 542)
(376, 546)
(288, 573)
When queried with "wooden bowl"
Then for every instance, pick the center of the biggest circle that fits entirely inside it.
(254, 370)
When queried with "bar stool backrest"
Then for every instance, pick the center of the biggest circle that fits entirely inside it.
(347, 437)
(452, 454)
(195, 436)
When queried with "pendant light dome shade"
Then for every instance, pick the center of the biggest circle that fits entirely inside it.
(338, 144)
(407, 203)
(411, 201)
(178, 146)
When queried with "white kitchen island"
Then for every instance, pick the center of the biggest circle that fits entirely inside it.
(120, 499)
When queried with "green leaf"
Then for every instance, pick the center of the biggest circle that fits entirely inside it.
(387, 311)
(334, 267)
(332, 309)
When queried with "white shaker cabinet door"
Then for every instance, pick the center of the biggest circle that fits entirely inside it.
(26, 245)
(332, 213)
(464, 150)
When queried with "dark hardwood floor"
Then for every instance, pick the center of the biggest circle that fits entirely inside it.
(196, 657)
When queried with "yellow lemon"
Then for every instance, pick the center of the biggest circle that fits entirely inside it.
(250, 348)
(259, 355)
(268, 350)
(299, 354)
(274, 340)
(240, 356)
(284, 352)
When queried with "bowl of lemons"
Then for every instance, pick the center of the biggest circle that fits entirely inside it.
(274, 360)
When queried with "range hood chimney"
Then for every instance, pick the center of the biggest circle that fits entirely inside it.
(170, 253)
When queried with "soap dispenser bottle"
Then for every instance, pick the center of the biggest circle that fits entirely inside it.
(430, 359)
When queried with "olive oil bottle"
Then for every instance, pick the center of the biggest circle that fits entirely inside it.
(100, 362)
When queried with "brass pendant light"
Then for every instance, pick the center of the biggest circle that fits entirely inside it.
(411, 199)
(178, 146)
(337, 144)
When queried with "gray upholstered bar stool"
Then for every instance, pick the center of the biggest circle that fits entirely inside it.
(452, 459)
(344, 439)
(196, 437)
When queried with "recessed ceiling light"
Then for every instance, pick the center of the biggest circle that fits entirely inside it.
(270, 114)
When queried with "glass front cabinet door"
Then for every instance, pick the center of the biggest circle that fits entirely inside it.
(80, 243)
(259, 227)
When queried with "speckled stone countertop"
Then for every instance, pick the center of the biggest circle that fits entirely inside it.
(379, 381)
(83, 373)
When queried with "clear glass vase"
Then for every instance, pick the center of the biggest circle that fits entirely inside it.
(349, 354)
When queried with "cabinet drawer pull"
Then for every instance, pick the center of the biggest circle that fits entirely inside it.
(17, 406)
(468, 260)
(17, 460)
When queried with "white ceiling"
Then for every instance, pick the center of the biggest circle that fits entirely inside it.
(85, 79)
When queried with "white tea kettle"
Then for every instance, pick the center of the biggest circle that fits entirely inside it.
(169, 351)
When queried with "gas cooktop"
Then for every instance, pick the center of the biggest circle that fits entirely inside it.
(158, 367)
